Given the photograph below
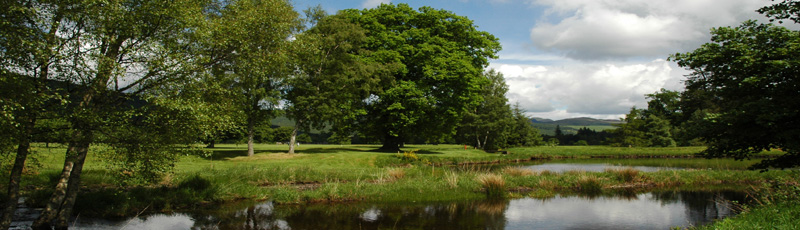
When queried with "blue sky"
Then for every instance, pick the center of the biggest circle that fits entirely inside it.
(586, 58)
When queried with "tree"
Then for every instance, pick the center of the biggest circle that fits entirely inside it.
(522, 132)
(658, 132)
(331, 79)
(249, 51)
(786, 9)
(750, 74)
(488, 124)
(439, 59)
(665, 104)
(632, 133)
(31, 49)
(114, 52)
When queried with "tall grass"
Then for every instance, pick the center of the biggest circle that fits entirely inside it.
(625, 174)
(493, 185)
(777, 207)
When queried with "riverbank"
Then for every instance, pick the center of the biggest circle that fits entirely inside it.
(327, 173)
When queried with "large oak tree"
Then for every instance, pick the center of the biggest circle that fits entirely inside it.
(442, 58)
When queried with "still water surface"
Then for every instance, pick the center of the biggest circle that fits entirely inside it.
(657, 210)
(591, 167)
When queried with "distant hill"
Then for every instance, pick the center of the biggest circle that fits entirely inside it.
(571, 125)
(585, 121)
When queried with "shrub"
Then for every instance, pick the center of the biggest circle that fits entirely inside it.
(409, 156)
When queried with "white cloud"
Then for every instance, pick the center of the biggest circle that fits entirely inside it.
(600, 90)
(374, 3)
(620, 29)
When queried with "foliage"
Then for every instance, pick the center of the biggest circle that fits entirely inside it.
(332, 77)
(749, 73)
(786, 9)
(494, 124)
(247, 47)
(522, 133)
(643, 130)
(436, 60)
(409, 156)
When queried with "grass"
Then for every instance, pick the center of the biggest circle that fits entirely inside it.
(334, 173)
(493, 185)
(777, 207)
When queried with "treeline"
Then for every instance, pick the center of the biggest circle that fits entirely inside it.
(584, 136)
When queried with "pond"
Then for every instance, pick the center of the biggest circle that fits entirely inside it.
(590, 167)
(601, 165)
(657, 210)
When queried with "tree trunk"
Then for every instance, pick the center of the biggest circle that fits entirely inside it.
(293, 140)
(211, 144)
(478, 139)
(391, 143)
(16, 174)
(31, 113)
(59, 208)
(62, 222)
(485, 139)
(251, 132)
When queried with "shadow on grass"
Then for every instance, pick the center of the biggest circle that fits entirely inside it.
(330, 150)
(418, 151)
(227, 153)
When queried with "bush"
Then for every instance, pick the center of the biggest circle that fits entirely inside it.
(409, 156)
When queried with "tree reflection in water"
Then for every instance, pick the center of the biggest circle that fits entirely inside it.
(658, 210)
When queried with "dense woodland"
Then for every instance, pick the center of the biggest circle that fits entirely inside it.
(153, 79)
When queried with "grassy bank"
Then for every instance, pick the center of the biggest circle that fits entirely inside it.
(330, 173)
(777, 206)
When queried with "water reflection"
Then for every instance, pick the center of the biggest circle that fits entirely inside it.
(559, 168)
(642, 211)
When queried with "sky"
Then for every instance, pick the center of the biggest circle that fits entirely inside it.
(586, 58)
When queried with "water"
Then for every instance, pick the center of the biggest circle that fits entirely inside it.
(661, 210)
(596, 167)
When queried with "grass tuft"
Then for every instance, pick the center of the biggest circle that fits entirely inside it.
(494, 186)
(452, 179)
(625, 174)
(396, 173)
(589, 185)
(517, 171)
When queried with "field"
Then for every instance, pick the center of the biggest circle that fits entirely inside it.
(333, 173)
